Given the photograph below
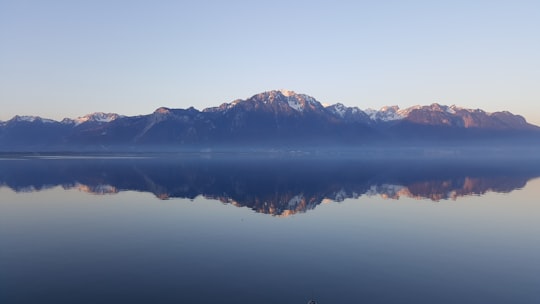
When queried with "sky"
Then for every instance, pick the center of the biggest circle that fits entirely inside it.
(70, 58)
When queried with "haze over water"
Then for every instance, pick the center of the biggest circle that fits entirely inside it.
(206, 230)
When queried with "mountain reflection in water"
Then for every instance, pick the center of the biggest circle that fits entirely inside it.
(278, 187)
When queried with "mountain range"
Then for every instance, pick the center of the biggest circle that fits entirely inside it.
(273, 119)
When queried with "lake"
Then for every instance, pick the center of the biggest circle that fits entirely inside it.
(268, 229)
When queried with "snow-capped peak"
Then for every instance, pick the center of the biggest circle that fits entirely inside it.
(292, 100)
(393, 113)
(298, 102)
(99, 117)
(387, 113)
(405, 112)
(287, 93)
(338, 109)
(27, 118)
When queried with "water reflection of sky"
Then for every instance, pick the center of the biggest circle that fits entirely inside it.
(64, 245)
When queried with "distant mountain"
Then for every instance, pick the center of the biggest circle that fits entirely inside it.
(94, 118)
(274, 119)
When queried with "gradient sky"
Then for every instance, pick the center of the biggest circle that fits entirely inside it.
(69, 58)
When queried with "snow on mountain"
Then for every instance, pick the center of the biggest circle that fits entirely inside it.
(338, 109)
(272, 117)
(98, 117)
(287, 98)
(25, 118)
(452, 109)
(301, 102)
(387, 113)
(348, 114)
(394, 113)
(287, 93)
(435, 107)
(405, 112)
(294, 103)
(298, 102)
(288, 102)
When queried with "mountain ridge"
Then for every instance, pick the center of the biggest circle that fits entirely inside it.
(385, 113)
(272, 119)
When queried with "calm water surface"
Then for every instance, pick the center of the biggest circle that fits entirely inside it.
(192, 230)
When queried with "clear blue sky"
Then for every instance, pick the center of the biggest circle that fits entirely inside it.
(69, 58)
